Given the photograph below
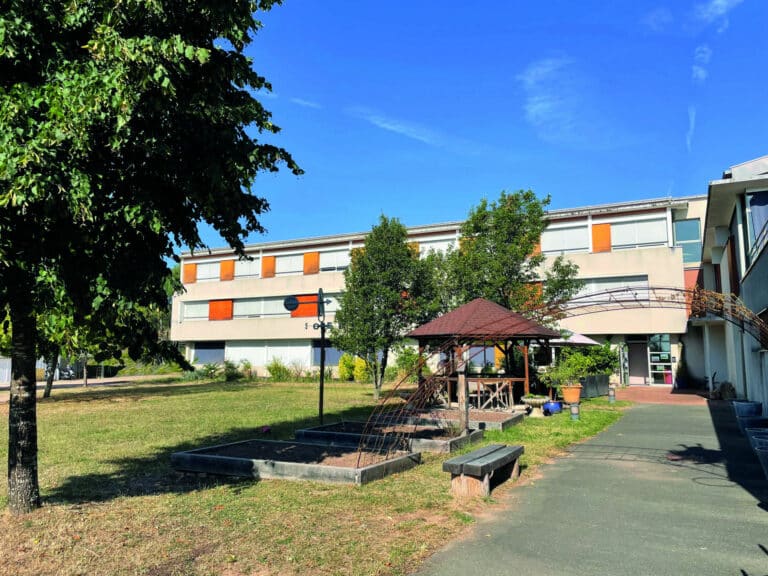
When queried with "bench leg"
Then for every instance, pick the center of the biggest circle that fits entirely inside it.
(463, 486)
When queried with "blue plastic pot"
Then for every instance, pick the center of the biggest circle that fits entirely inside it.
(552, 407)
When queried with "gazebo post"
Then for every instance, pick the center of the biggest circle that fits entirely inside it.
(525, 362)
(463, 392)
(419, 373)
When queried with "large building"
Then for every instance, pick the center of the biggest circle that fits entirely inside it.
(233, 309)
(735, 262)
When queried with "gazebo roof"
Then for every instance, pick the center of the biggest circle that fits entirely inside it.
(483, 320)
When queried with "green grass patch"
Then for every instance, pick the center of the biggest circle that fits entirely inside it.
(113, 505)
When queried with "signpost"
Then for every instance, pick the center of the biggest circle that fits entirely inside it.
(291, 303)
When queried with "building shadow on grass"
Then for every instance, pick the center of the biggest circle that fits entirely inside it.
(152, 474)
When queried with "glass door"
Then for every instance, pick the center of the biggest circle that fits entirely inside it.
(660, 359)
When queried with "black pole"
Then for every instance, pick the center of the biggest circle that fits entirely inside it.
(322, 368)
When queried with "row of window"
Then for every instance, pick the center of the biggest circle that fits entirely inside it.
(287, 264)
(606, 237)
(269, 306)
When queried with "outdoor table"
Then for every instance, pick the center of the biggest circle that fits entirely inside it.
(499, 391)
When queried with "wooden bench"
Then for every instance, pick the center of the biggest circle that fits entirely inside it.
(471, 473)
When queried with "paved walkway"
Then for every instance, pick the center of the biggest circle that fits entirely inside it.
(668, 490)
(661, 395)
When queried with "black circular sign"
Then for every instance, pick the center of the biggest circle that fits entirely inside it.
(291, 303)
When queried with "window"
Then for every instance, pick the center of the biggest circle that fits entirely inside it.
(289, 264)
(639, 233)
(247, 308)
(442, 246)
(247, 268)
(688, 237)
(208, 271)
(616, 288)
(566, 239)
(209, 353)
(332, 355)
(757, 222)
(273, 306)
(195, 310)
(336, 260)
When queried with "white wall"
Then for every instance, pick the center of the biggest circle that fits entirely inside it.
(261, 352)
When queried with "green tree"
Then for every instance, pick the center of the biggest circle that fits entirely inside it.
(388, 291)
(497, 259)
(122, 126)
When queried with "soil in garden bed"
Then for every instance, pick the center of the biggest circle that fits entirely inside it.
(474, 415)
(294, 452)
(413, 431)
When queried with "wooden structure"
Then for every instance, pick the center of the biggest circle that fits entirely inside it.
(480, 322)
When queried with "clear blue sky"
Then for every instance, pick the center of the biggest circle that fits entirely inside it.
(417, 109)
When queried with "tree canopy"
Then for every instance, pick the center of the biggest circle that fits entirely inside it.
(499, 259)
(388, 290)
(122, 126)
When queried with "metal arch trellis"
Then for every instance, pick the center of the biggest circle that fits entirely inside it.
(398, 419)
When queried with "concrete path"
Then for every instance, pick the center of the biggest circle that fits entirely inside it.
(668, 490)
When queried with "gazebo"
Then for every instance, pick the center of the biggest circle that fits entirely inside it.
(481, 322)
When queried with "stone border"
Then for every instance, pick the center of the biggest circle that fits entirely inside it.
(320, 435)
(198, 461)
(514, 419)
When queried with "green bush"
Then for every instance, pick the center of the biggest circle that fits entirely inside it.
(278, 372)
(362, 371)
(594, 359)
(209, 370)
(231, 372)
(391, 374)
(246, 368)
(346, 367)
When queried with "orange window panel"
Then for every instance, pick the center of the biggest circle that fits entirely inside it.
(268, 267)
(220, 310)
(227, 271)
(311, 262)
(307, 306)
(190, 274)
(601, 237)
(536, 249)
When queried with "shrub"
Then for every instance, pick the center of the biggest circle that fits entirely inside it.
(391, 374)
(296, 369)
(231, 372)
(362, 370)
(346, 367)
(407, 363)
(209, 370)
(246, 368)
(278, 372)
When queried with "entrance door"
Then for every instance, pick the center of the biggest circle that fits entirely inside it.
(638, 362)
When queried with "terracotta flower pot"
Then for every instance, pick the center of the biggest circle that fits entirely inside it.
(571, 393)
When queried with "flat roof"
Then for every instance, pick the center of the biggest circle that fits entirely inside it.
(448, 227)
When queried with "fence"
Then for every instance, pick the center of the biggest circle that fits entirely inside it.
(594, 386)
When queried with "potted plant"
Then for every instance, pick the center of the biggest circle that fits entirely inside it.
(565, 376)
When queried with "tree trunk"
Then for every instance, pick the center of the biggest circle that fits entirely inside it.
(50, 362)
(23, 490)
(378, 374)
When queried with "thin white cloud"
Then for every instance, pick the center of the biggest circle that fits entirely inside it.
(715, 11)
(702, 54)
(701, 57)
(306, 103)
(410, 130)
(712, 11)
(691, 127)
(561, 107)
(658, 20)
(699, 73)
